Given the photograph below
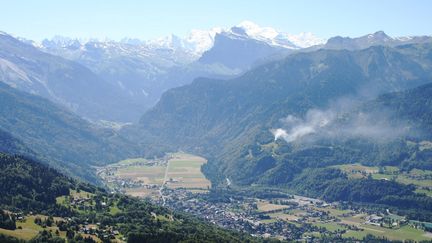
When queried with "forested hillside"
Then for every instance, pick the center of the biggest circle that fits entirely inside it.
(231, 122)
(56, 135)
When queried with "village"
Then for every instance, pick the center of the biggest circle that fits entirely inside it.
(288, 217)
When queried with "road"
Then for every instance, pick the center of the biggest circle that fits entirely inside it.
(164, 183)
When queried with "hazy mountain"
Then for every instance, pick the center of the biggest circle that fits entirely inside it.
(141, 70)
(279, 38)
(38, 128)
(65, 82)
(377, 38)
(225, 120)
(244, 45)
(236, 50)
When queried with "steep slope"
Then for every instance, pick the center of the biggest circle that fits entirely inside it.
(11, 145)
(225, 120)
(65, 82)
(65, 140)
(235, 49)
(29, 185)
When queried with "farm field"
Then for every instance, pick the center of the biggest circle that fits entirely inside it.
(144, 178)
(421, 179)
(347, 222)
(184, 171)
(265, 206)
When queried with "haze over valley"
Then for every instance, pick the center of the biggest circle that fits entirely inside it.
(244, 132)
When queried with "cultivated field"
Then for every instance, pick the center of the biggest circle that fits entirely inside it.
(422, 179)
(144, 178)
(343, 220)
(148, 174)
(184, 171)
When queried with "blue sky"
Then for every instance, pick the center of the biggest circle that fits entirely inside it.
(149, 19)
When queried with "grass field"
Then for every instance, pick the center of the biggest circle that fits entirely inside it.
(348, 168)
(132, 161)
(265, 206)
(283, 216)
(427, 192)
(29, 228)
(148, 174)
(419, 178)
(404, 233)
(184, 171)
(330, 226)
(180, 170)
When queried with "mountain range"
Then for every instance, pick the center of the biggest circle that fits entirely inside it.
(117, 81)
(229, 121)
(269, 110)
(254, 78)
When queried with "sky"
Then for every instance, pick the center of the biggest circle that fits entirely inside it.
(39, 19)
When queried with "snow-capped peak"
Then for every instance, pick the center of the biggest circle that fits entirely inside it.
(171, 42)
(255, 31)
(305, 39)
(197, 42)
(275, 37)
(200, 41)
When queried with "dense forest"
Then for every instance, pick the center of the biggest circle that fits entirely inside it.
(30, 186)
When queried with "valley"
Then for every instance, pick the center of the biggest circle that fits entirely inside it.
(176, 181)
(150, 177)
(120, 122)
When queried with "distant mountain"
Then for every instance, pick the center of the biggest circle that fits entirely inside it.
(65, 82)
(236, 50)
(200, 41)
(278, 38)
(33, 126)
(196, 43)
(141, 70)
(244, 45)
(377, 38)
(228, 120)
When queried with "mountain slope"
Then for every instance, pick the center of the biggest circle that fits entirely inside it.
(29, 185)
(65, 140)
(227, 120)
(143, 70)
(65, 82)
(237, 50)
(139, 72)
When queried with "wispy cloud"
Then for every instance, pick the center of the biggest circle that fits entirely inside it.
(341, 121)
